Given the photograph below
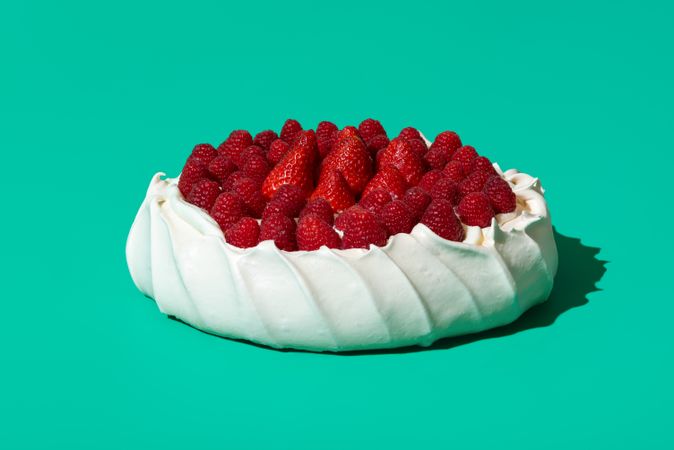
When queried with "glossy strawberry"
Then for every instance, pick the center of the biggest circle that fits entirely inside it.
(400, 155)
(349, 157)
(389, 179)
(334, 189)
(296, 167)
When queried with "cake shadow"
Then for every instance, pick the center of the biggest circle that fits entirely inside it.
(577, 275)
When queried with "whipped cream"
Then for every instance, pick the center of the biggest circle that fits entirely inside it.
(416, 289)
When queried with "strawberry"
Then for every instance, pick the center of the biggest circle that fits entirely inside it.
(227, 210)
(333, 187)
(361, 228)
(313, 232)
(440, 218)
(397, 217)
(291, 128)
(369, 128)
(321, 208)
(375, 200)
(296, 167)
(347, 132)
(475, 209)
(203, 193)
(265, 138)
(349, 157)
(400, 155)
(280, 229)
(501, 196)
(389, 179)
(243, 234)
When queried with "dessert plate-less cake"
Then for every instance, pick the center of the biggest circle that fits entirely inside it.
(335, 240)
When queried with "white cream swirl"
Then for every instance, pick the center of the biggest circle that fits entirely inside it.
(415, 290)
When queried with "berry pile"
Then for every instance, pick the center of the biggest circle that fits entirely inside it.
(345, 188)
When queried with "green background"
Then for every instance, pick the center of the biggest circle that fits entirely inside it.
(95, 97)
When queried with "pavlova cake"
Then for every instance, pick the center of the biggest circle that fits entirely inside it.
(334, 240)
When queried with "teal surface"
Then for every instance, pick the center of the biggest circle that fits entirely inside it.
(97, 96)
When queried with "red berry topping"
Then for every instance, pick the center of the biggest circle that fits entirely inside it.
(376, 143)
(361, 228)
(375, 200)
(277, 151)
(265, 138)
(250, 152)
(475, 209)
(243, 234)
(237, 142)
(501, 196)
(483, 164)
(448, 139)
(325, 137)
(473, 183)
(417, 200)
(291, 128)
(369, 128)
(347, 132)
(389, 179)
(221, 167)
(410, 133)
(440, 218)
(256, 167)
(203, 153)
(333, 187)
(418, 146)
(193, 171)
(397, 217)
(321, 208)
(465, 154)
(229, 182)
(445, 189)
(280, 229)
(288, 200)
(228, 210)
(400, 155)
(249, 191)
(454, 171)
(429, 179)
(436, 157)
(313, 232)
(350, 157)
(296, 167)
(203, 193)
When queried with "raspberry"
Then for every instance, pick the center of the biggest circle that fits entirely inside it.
(221, 167)
(280, 229)
(376, 143)
(265, 138)
(193, 171)
(313, 232)
(204, 153)
(203, 193)
(256, 167)
(437, 157)
(321, 208)
(347, 132)
(228, 184)
(444, 189)
(454, 171)
(243, 234)
(448, 139)
(483, 164)
(333, 187)
(429, 179)
(417, 201)
(440, 218)
(418, 146)
(501, 196)
(465, 154)
(375, 200)
(237, 142)
(475, 209)
(397, 217)
(288, 200)
(369, 128)
(277, 151)
(227, 210)
(360, 228)
(249, 191)
(325, 137)
(410, 133)
(290, 129)
(249, 152)
(473, 183)
(389, 179)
